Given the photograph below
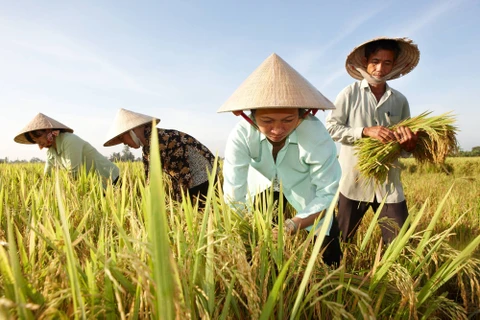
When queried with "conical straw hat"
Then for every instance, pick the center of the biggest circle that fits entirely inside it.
(126, 120)
(407, 60)
(40, 122)
(275, 84)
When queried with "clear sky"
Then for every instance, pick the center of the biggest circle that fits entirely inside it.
(79, 62)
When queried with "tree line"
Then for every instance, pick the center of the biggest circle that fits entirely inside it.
(474, 153)
(124, 156)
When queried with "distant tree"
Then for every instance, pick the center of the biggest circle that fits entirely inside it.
(124, 156)
(19, 161)
(36, 160)
(127, 155)
(476, 151)
(115, 157)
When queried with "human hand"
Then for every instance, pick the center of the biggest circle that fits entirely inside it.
(406, 138)
(289, 227)
(380, 133)
(275, 233)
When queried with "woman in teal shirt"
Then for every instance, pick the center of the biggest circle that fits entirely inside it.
(65, 149)
(285, 144)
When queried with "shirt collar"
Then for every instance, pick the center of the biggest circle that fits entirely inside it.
(58, 143)
(364, 84)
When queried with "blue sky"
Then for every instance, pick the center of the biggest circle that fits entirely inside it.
(79, 62)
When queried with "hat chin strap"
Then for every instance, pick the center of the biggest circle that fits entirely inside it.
(372, 80)
(135, 138)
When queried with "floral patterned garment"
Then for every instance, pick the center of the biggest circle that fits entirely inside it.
(175, 149)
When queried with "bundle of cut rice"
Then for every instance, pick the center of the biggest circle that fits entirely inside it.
(436, 139)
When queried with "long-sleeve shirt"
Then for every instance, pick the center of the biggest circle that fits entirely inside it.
(183, 158)
(357, 108)
(72, 152)
(306, 166)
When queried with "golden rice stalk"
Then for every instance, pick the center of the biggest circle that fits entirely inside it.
(436, 139)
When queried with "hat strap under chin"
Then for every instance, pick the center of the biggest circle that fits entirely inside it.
(395, 71)
(313, 111)
(249, 120)
(135, 138)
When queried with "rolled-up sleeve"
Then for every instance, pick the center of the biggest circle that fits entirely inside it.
(49, 164)
(337, 122)
(325, 175)
(73, 154)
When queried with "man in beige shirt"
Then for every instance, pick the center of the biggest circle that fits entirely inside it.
(367, 108)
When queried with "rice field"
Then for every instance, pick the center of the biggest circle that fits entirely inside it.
(69, 250)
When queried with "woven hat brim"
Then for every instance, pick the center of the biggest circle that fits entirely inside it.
(125, 121)
(275, 84)
(40, 122)
(408, 58)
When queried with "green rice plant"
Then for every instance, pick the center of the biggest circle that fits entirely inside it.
(78, 303)
(16, 281)
(462, 200)
(436, 139)
(407, 277)
(316, 249)
(225, 263)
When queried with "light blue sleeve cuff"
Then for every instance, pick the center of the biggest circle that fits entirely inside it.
(319, 225)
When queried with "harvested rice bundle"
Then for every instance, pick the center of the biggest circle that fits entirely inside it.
(436, 140)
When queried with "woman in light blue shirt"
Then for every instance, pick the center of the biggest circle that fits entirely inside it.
(285, 144)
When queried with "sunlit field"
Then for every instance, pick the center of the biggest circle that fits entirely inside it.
(71, 250)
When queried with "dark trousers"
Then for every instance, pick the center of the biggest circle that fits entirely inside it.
(351, 212)
(199, 192)
(332, 253)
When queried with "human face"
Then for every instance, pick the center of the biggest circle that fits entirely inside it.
(45, 140)
(277, 123)
(127, 139)
(380, 63)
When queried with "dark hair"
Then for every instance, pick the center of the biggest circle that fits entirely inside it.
(384, 44)
(29, 137)
(301, 112)
(37, 134)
